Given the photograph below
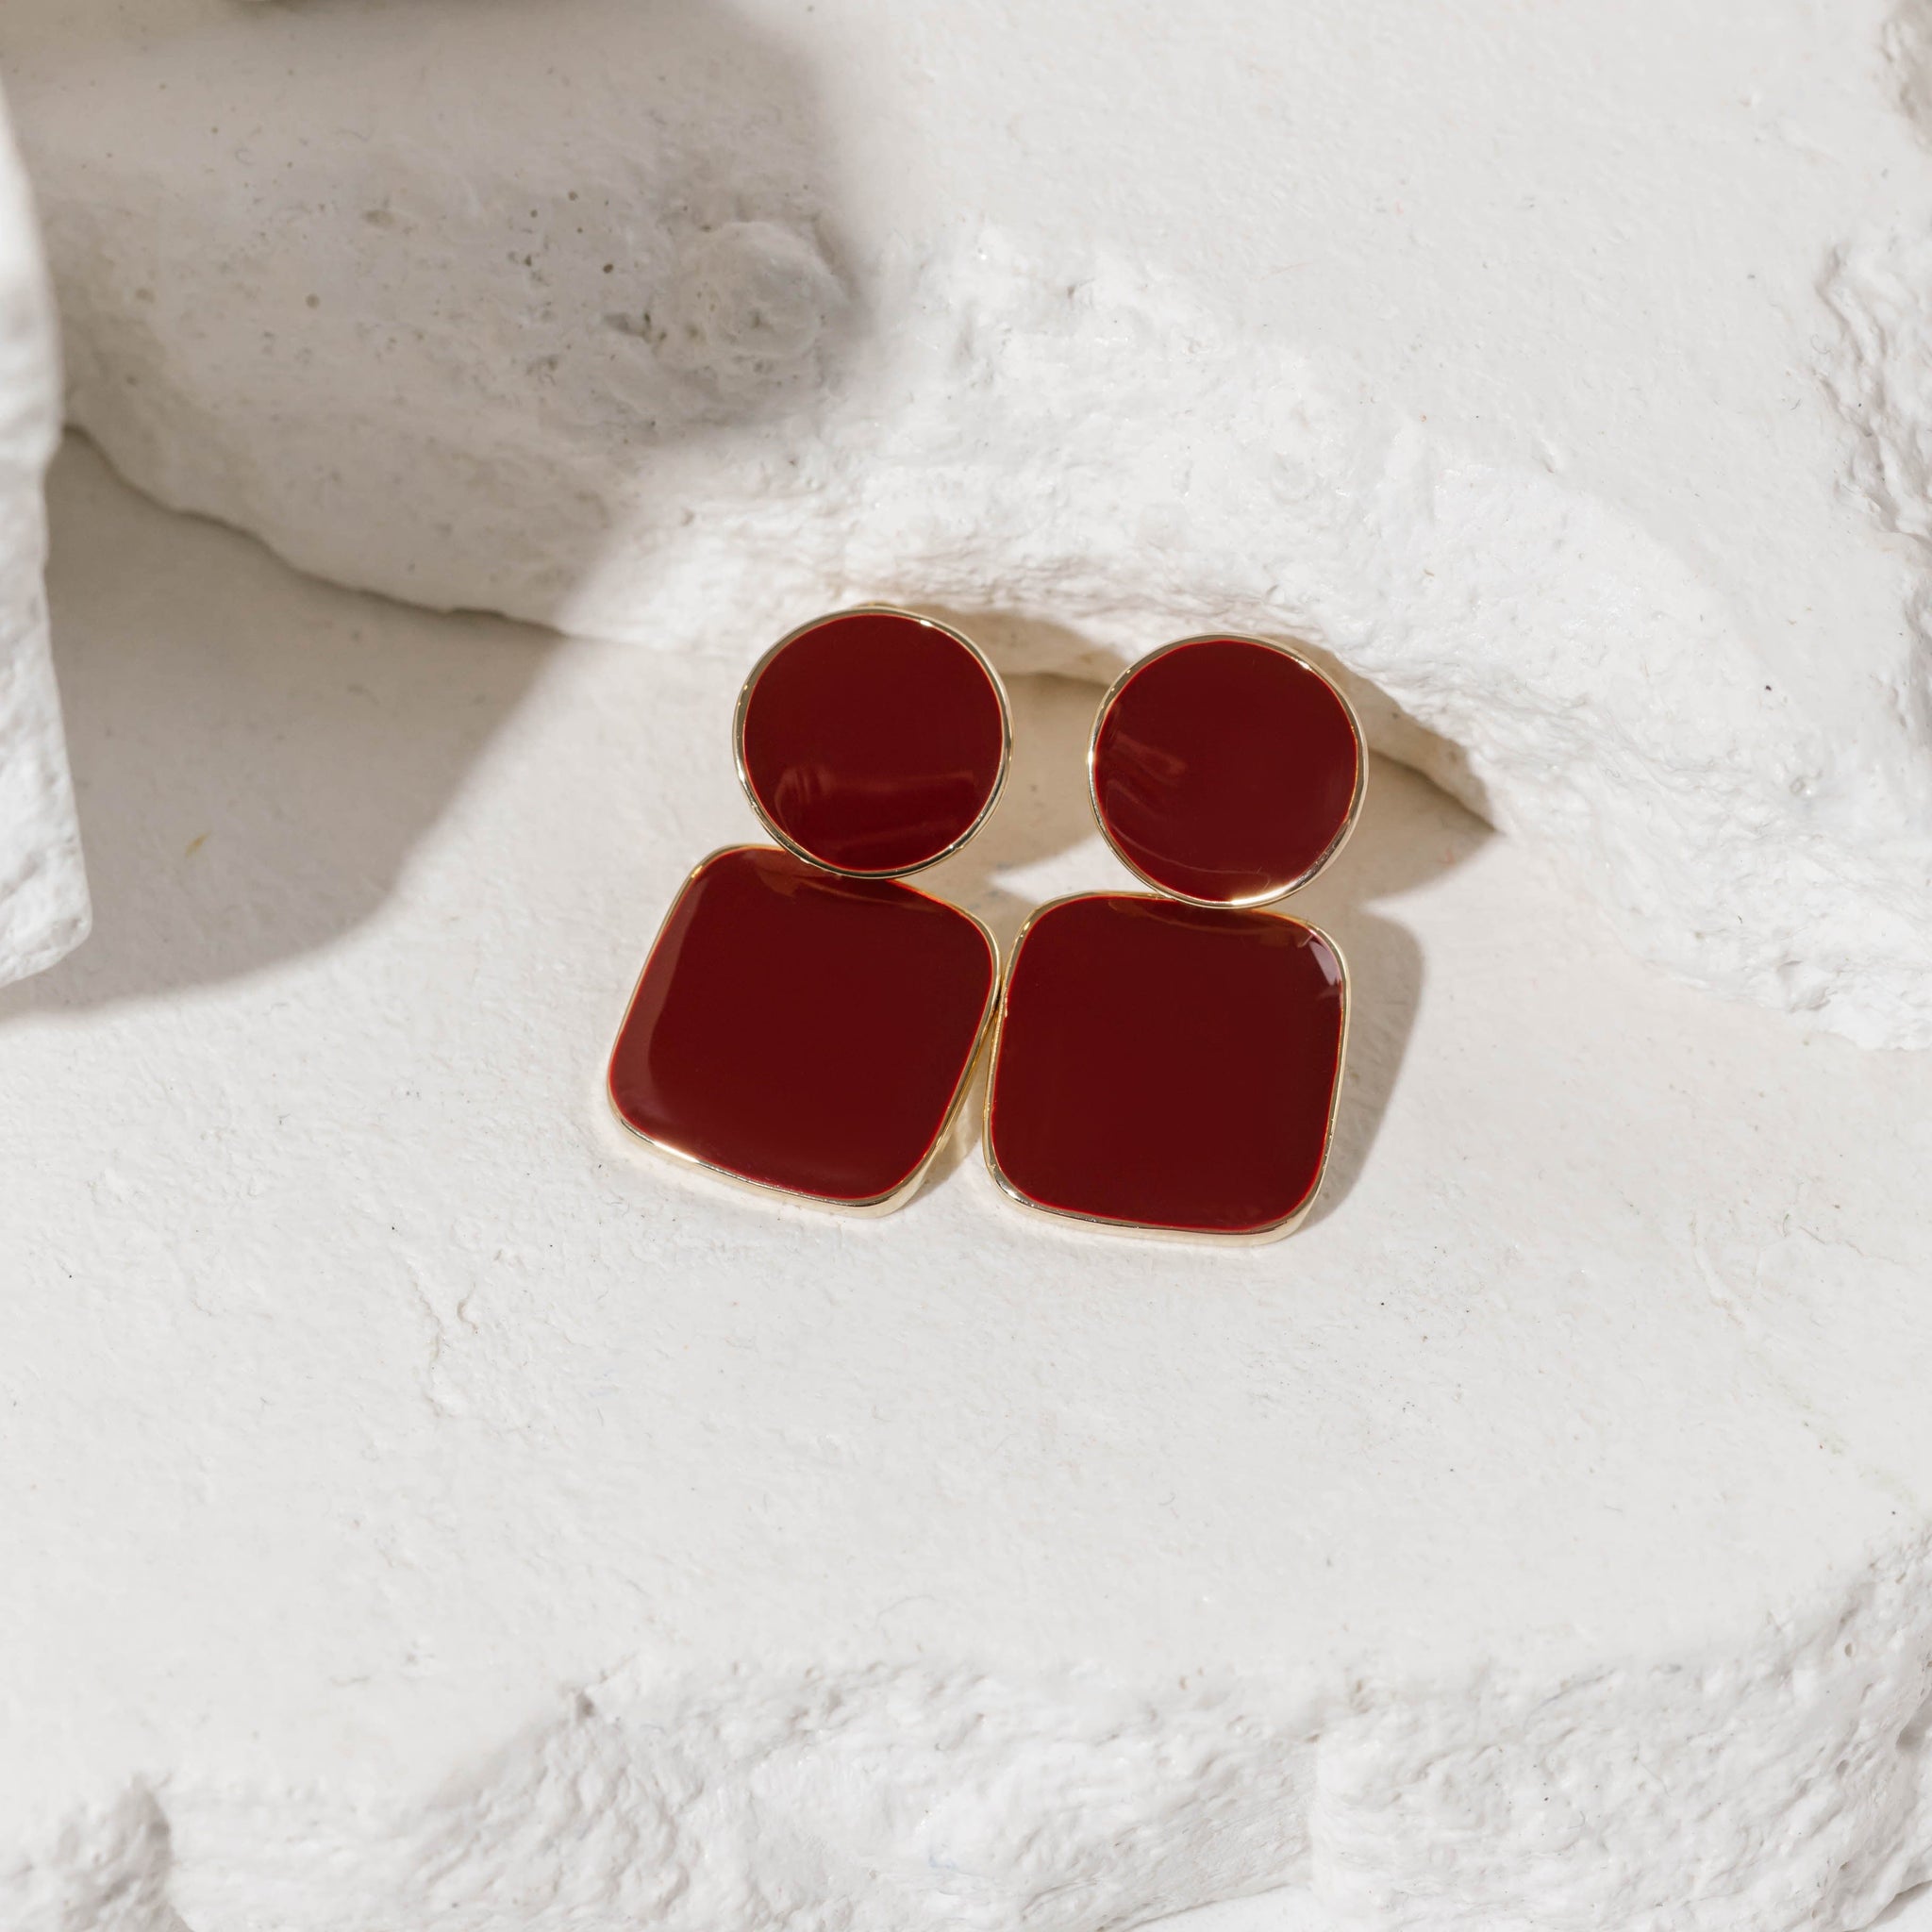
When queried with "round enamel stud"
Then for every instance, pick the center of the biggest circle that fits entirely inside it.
(874, 741)
(1225, 771)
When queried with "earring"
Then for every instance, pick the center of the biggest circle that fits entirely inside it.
(1171, 1064)
(805, 1022)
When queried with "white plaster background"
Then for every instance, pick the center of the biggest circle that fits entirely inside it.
(1482, 346)
(442, 1515)
(43, 903)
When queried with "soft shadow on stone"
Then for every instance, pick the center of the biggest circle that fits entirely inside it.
(1915, 1904)
(255, 757)
(1409, 834)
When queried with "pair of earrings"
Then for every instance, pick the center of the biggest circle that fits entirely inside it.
(808, 1023)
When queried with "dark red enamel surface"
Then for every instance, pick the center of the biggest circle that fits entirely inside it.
(1166, 1065)
(873, 741)
(800, 1030)
(1224, 769)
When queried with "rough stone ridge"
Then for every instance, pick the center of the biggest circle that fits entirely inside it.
(1906, 44)
(1785, 1788)
(43, 899)
(673, 323)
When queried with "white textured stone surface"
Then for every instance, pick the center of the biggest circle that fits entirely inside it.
(426, 1511)
(1298, 1912)
(44, 906)
(1483, 345)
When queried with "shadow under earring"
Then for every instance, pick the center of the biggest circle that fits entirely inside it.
(1170, 1065)
(806, 1023)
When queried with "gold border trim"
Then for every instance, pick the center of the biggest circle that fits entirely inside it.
(1248, 1238)
(959, 637)
(879, 1204)
(1328, 852)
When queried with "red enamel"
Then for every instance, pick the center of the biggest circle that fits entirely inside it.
(1225, 769)
(873, 741)
(803, 1031)
(1166, 1065)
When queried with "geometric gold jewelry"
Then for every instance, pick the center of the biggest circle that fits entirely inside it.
(1171, 1063)
(806, 1022)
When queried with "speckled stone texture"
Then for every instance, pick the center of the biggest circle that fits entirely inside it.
(442, 1515)
(44, 904)
(1536, 374)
